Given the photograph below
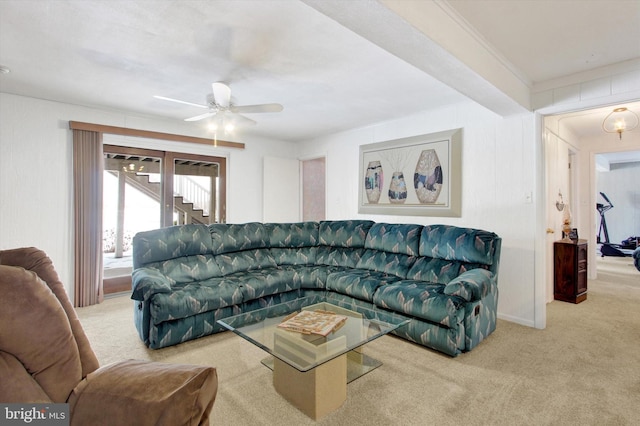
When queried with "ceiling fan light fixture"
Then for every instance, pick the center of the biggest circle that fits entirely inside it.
(221, 123)
(620, 120)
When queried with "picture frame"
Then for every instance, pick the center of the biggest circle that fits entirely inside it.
(573, 234)
(416, 176)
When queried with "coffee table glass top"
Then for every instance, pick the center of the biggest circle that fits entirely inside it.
(305, 351)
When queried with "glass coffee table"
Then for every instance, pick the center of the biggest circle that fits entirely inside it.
(311, 370)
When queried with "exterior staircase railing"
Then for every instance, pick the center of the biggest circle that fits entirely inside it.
(192, 192)
(190, 198)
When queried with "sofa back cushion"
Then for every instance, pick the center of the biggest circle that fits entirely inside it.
(163, 244)
(344, 233)
(394, 238)
(241, 247)
(36, 260)
(232, 237)
(466, 245)
(293, 243)
(293, 235)
(342, 242)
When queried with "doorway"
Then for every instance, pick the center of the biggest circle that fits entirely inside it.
(313, 189)
(581, 130)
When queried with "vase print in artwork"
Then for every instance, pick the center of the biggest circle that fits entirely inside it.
(373, 181)
(427, 179)
(397, 189)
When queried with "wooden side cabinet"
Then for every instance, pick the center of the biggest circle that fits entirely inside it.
(570, 271)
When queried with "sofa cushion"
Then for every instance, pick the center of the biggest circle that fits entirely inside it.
(186, 269)
(35, 330)
(260, 283)
(358, 283)
(293, 235)
(434, 270)
(241, 261)
(344, 233)
(193, 298)
(394, 238)
(340, 257)
(308, 276)
(421, 300)
(388, 263)
(295, 256)
(229, 238)
(167, 243)
(454, 243)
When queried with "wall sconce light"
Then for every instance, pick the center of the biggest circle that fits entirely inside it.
(560, 202)
(620, 120)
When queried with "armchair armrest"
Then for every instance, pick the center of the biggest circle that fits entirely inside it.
(18, 385)
(145, 393)
(146, 282)
(471, 285)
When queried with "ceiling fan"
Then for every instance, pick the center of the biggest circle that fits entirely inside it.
(226, 115)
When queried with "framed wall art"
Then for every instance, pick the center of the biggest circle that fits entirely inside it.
(418, 176)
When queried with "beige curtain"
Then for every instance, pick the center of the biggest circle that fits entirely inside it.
(88, 165)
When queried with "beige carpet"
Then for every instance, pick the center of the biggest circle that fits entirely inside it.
(583, 369)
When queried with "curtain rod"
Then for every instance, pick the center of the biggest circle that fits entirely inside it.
(123, 131)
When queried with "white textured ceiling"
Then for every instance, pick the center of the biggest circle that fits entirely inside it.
(549, 39)
(118, 54)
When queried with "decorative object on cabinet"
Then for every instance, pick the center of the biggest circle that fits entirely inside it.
(573, 235)
(566, 222)
(570, 270)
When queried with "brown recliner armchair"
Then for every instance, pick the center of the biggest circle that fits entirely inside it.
(45, 357)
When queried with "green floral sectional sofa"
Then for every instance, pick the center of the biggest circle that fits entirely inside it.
(443, 278)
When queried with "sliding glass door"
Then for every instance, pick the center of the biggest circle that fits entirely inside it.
(196, 189)
(148, 189)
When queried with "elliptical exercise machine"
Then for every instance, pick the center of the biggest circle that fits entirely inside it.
(607, 248)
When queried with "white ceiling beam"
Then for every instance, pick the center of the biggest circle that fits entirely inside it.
(433, 38)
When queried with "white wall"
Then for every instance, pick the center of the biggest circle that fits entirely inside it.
(498, 186)
(36, 172)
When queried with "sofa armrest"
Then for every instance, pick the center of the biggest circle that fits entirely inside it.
(145, 393)
(471, 285)
(146, 282)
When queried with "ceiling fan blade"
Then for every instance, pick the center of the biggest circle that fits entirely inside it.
(180, 102)
(201, 116)
(250, 109)
(221, 94)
